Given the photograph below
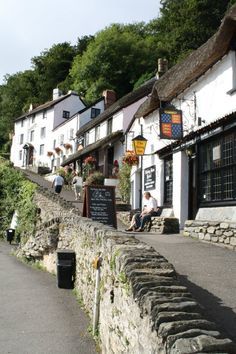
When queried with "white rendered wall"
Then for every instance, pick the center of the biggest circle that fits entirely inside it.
(180, 186)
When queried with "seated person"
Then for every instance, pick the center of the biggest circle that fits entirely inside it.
(140, 219)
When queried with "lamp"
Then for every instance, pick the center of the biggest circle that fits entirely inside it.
(139, 145)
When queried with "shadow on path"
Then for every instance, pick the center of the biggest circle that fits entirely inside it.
(213, 308)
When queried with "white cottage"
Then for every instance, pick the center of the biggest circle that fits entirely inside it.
(195, 176)
(33, 131)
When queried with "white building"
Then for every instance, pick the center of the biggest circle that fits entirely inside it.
(45, 136)
(103, 137)
(195, 176)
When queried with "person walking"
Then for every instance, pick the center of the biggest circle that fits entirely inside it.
(140, 219)
(58, 183)
(77, 183)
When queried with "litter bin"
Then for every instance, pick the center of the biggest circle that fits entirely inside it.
(10, 235)
(65, 269)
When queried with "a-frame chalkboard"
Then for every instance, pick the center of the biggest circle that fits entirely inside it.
(99, 204)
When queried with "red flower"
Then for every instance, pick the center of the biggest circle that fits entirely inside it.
(130, 158)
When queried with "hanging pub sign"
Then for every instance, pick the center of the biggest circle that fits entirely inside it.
(171, 125)
(150, 178)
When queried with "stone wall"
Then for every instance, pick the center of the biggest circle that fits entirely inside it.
(223, 233)
(143, 308)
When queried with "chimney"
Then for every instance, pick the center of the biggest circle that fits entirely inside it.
(162, 67)
(56, 93)
(110, 97)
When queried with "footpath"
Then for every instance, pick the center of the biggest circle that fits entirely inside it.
(207, 270)
(36, 316)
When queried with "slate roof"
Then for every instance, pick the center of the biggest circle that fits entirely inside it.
(123, 102)
(46, 105)
(183, 74)
(91, 147)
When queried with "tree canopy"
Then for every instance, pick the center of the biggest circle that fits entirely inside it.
(119, 57)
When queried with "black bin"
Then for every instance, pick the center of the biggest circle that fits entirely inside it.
(10, 235)
(65, 269)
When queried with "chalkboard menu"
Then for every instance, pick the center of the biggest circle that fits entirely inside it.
(99, 204)
(150, 178)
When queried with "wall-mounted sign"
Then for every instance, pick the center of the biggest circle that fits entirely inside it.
(171, 125)
(150, 178)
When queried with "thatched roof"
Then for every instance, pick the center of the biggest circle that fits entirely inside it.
(183, 74)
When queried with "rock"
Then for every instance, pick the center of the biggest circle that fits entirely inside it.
(219, 232)
(214, 238)
(233, 241)
(207, 237)
(224, 225)
(202, 343)
(211, 230)
(228, 233)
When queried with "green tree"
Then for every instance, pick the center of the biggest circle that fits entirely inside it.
(184, 25)
(52, 68)
(115, 59)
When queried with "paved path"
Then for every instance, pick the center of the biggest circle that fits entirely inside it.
(208, 271)
(35, 315)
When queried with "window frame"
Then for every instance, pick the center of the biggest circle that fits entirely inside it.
(217, 171)
(65, 114)
(41, 149)
(109, 126)
(168, 181)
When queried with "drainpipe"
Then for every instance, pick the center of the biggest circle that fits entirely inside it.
(96, 265)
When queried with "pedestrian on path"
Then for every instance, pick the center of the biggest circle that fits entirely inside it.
(77, 183)
(58, 183)
(140, 219)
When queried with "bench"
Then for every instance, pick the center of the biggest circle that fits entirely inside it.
(166, 223)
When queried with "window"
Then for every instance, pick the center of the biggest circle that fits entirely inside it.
(97, 133)
(44, 114)
(168, 181)
(54, 143)
(33, 119)
(61, 139)
(109, 126)
(66, 114)
(21, 138)
(22, 123)
(71, 134)
(43, 132)
(20, 155)
(218, 170)
(32, 135)
(86, 139)
(95, 112)
(41, 149)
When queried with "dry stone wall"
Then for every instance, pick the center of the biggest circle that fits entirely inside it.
(143, 308)
(222, 233)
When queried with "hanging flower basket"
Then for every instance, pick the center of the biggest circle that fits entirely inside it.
(130, 158)
(90, 160)
(67, 146)
(58, 150)
(50, 153)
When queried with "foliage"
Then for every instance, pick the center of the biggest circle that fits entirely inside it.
(184, 25)
(89, 165)
(95, 179)
(16, 193)
(124, 182)
(115, 59)
(130, 158)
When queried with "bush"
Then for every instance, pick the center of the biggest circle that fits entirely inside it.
(124, 182)
(95, 179)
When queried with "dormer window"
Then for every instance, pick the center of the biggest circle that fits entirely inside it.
(66, 114)
(44, 114)
(22, 123)
(33, 118)
(95, 112)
